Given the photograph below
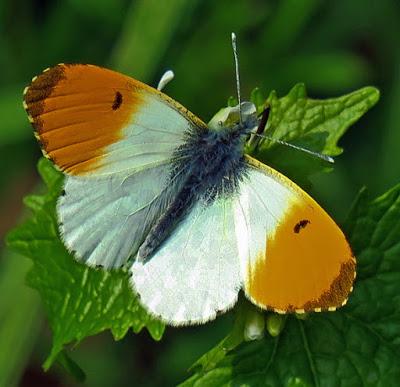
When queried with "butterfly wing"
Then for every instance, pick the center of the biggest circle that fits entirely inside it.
(104, 220)
(92, 121)
(114, 137)
(196, 273)
(293, 255)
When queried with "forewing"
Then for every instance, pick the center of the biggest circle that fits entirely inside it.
(294, 258)
(195, 273)
(104, 220)
(91, 121)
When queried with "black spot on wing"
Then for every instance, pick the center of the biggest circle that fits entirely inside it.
(302, 224)
(117, 101)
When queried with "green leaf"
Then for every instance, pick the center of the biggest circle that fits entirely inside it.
(316, 125)
(80, 301)
(210, 359)
(356, 346)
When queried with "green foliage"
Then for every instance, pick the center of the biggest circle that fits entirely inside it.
(80, 301)
(138, 35)
(355, 346)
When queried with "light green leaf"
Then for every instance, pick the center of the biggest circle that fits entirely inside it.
(80, 301)
(316, 125)
(356, 346)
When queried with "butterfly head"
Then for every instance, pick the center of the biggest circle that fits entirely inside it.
(233, 119)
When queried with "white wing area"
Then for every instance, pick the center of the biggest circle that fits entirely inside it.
(104, 220)
(155, 131)
(258, 210)
(195, 274)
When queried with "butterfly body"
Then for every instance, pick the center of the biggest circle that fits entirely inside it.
(209, 165)
(151, 186)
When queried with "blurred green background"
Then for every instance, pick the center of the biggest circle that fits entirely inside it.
(334, 47)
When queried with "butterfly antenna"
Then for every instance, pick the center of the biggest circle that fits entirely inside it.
(310, 152)
(235, 55)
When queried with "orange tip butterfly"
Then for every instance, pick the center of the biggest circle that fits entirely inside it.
(150, 186)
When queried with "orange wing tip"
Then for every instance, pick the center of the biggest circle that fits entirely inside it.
(78, 145)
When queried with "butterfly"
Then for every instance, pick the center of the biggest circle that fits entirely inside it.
(150, 186)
